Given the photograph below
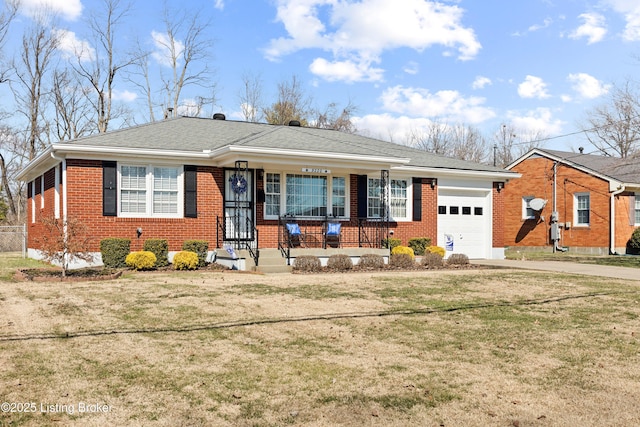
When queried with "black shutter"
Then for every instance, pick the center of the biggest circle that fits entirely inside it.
(190, 191)
(109, 189)
(417, 199)
(362, 196)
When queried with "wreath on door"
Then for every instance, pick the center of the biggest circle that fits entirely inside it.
(238, 184)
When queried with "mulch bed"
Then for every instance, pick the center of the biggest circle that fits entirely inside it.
(55, 274)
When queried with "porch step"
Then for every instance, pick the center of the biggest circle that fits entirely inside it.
(272, 261)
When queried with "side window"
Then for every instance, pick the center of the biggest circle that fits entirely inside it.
(527, 212)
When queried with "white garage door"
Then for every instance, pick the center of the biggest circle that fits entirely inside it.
(464, 222)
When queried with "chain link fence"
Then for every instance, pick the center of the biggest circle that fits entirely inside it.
(13, 238)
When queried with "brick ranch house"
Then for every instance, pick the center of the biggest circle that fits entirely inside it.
(592, 202)
(234, 184)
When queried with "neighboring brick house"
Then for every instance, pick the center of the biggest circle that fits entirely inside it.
(230, 182)
(596, 200)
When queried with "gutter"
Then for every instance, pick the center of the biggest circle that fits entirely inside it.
(612, 220)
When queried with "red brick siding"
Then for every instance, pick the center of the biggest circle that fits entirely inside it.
(537, 181)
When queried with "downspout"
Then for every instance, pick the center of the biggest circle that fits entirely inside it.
(612, 220)
(63, 162)
(555, 230)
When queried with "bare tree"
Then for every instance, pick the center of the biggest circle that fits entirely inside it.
(435, 138)
(12, 160)
(292, 104)
(250, 97)
(614, 128)
(38, 47)
(469, 144)
(65, 241)
(74, 116)
(330, 119)
(9, 10)
(503, 145)
(185, 49)
(104, 64)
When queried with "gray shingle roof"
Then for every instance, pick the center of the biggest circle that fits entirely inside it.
(198, 134)
(624, 170)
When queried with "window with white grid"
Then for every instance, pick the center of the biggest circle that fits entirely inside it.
(582, 209)
(147, 190)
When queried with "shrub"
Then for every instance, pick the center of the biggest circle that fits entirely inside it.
(141, 260)
(160, 249)
(458, 259)
(64, 241)
(419, 244)
(371, 261)
(186, 260)
(403, 250)
(114, 252)
(436, 250)
(307, 263)
(391, 243)
(340, 262)
(200, 247)
(634, 242)
(432, 260)
(401, 260)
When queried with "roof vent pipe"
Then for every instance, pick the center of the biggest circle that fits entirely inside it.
(295, 123)
(581, 150)
(219, 116)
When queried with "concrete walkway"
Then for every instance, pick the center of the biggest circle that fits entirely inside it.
(564, 267)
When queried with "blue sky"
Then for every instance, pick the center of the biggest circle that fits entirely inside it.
(538, 65)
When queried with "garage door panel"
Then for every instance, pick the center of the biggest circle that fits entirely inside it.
(463, 226)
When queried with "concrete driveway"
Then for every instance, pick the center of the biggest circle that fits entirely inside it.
(564, 267)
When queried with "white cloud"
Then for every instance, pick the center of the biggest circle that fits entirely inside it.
(347, 71)
(72, 47)
(411, 68)
(388, 127)
(546, 23)
(124, 95)
(446, 104)
(593, 29)
(533, 87)
(163, 53)
(587, 86)
(219, 4)
(67, 9)
(536, 121)
(364, 30)
(631, 11)
(481, 82)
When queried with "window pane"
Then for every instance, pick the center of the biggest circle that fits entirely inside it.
(133, 194)
(454, 210)
(582, 209)
(306, 195)
(272, 194)
(398, 198)
(165, 190)
(442, 210)
(466, 210)
(374, 201)
(338, 196)
(637, 208)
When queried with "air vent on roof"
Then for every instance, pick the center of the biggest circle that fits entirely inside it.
(219, 116)
(294, 123)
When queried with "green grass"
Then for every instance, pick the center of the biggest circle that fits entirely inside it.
(632, 261)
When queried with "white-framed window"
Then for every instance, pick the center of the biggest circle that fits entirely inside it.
(581, 209)
(150, 191)
(305, 195)
(637, 208)
(527, 212)
(398, 199)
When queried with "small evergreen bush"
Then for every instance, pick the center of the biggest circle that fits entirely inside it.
(402, 260)
(432, 260)
(458, 259)
(200, 247)
(141, 260)
(419, 244)
(339, 262)
(391, 243)
(114, 252)
(436, 250)
(307, 263)
(185, 260)
(633, 245)
(160, 248)
(373, 261)
(403, 250)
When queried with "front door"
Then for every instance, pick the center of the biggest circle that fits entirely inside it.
(238, 204)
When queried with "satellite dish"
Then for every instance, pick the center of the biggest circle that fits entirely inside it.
(537, 204)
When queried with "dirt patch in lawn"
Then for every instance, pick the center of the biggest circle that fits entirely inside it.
(448, 347)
